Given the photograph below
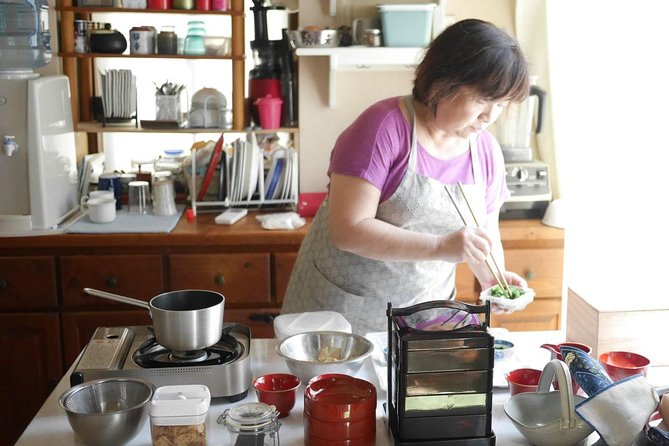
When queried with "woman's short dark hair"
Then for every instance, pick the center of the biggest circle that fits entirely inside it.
(476, 54)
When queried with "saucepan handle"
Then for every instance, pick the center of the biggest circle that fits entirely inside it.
(117, 298)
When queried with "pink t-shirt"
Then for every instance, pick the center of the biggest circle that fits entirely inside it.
(376, 146)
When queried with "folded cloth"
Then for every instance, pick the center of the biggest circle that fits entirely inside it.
(620, 411)
(281, 220)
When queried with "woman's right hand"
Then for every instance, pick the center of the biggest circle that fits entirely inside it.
(467, 244)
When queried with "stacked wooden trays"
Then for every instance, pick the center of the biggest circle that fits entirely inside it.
(440, 382)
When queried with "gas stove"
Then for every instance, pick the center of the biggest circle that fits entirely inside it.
(225, 367)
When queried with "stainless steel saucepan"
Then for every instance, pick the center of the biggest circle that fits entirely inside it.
(182, 320)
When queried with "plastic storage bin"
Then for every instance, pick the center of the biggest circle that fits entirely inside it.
(407, 25)
(293, 323)
(179, 414)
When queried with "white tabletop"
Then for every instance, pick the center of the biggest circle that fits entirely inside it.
(50, 425)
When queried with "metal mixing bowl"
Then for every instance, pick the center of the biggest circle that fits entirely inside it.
(301, 352)
(108, 411)
(323, 38)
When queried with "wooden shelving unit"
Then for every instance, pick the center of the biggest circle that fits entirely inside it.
(79, 67)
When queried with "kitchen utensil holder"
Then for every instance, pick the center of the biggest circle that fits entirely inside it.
(227, 202)
(440, 382)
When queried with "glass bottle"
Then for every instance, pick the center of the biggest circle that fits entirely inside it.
(167, 40)
(251, 424)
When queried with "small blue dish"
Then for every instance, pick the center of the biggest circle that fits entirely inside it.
(503, 349)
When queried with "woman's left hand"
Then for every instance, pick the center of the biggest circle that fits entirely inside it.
(512, 279)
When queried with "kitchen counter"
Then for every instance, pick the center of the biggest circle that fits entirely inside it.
(50, 425)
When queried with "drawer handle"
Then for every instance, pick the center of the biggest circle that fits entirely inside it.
(3, 284)
(263, 317)
(530, 275)
(112, 282)
(219, 280)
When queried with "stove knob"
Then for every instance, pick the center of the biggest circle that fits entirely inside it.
(521, 173)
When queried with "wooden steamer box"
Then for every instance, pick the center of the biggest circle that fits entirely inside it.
(606, 324)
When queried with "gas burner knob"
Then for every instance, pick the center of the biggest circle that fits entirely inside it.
(520, 172)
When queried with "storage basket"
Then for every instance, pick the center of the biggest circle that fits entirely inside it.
(440, 382)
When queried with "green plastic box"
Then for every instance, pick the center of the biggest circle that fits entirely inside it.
(407, 25)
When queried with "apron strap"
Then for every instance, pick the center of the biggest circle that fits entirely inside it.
(408, 101)
(476, 164)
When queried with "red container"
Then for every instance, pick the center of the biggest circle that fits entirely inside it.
(620, 365)
(523, 380)
(368, 440)
(203, 5)
(269, 111)
(338, 399)
(343, 430)
(328, 375)
(159, 4)
(309, 202)
(278, 390)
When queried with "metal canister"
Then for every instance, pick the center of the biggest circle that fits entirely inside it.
(167, 40)
(81, 36)
(372, 37)
(142, 40)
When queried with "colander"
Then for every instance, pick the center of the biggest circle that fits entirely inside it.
(108, 411)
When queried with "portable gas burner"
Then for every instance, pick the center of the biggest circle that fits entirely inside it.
(225, 367)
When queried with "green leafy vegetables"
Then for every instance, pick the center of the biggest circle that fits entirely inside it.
(513, 292)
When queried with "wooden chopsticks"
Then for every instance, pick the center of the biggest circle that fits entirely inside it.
(499, 276)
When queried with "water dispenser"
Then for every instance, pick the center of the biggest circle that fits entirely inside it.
(38, 172)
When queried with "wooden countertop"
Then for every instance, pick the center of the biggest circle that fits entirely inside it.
(247, 233)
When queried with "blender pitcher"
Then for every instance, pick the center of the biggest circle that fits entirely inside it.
(514, 127)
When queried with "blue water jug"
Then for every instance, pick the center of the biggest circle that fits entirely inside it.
(25, 41)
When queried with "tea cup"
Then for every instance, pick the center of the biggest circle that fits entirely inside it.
(101, 209)
(109, 194)
(523, 380)
(278, 390)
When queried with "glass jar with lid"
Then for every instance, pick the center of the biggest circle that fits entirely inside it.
(251, 424)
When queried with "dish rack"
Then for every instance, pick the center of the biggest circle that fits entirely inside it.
(227, 202)
(440, 382)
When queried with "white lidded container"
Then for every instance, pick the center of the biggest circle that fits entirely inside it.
(178, 415)
(293, 323)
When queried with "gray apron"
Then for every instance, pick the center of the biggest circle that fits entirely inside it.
(326, 278)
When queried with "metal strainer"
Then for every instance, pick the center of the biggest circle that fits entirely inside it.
(108, 411)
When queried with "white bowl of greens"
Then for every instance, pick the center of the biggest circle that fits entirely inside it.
(516, 298)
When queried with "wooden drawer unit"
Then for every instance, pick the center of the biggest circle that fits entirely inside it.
(241, 278)
(466, 284)
(542, 268)
(542, 314)
(27, 282)
(259, 320)
(137, 276)
(283, 267)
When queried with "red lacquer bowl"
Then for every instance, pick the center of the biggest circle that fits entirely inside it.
(278, 390)
(523, 380)
(620, 365)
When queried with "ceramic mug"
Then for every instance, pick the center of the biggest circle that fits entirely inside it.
(101, 210)
(361, 25)
(97, 194)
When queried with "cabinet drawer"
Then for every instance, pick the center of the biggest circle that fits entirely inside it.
(283, 267)
(259, 320)
(542, 314)
(27, 282)
(241, 278)
(542, 268)
(465, 284)
(136, 276)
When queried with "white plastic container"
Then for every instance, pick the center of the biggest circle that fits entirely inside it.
(179, 414)
(407, 25)
(290, 324)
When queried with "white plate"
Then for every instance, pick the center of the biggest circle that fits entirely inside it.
(252, 160)
(509, 304)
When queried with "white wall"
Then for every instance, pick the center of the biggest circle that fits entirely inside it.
(320, 125)
(609, 81)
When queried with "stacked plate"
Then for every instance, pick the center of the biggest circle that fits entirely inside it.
(119, 94)
(281, 180)
(339, 410)
(244, 168)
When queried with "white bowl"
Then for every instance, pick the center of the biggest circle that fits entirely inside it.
(508, 304)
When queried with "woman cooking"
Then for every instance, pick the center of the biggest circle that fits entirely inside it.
(388, 230)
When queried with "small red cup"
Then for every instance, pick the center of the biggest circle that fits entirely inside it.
(278, 390)
(523, 380)
(621, 365)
